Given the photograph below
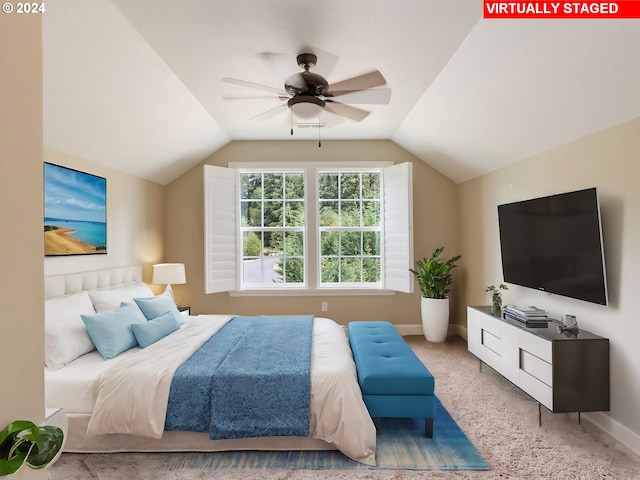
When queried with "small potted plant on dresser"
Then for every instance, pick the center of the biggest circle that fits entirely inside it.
(23, 442)
(434, 279)
(496, 297)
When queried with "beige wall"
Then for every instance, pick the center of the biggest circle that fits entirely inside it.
(21, 246)
(139, 232)
(135, 220)
(435, 224)
(608, 160)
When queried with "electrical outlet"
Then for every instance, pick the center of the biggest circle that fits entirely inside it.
(324, 306)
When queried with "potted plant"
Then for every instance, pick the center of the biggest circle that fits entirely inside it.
(23, 441)
(496, 296)
(434, 279)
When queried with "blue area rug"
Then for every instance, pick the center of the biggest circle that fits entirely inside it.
(401, 445)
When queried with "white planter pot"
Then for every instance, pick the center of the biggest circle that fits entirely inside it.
(435, 318)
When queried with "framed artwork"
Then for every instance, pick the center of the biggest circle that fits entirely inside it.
(75, 212)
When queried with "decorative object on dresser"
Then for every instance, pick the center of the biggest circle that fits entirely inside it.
(564, 371)
(169, 273)
(568, 323)
(531, 315)
(434, 279)
(496, 297)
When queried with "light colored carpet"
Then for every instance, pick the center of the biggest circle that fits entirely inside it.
(499, 419)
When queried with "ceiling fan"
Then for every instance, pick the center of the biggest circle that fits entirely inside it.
(307, 94)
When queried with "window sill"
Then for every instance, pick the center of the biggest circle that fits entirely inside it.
(305, 292)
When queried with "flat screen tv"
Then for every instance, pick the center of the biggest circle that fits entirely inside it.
(554, 244)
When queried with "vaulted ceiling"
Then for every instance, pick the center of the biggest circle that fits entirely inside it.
(137, 84)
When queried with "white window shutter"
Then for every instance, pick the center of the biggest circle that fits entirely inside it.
(398, 227)
(221, 249)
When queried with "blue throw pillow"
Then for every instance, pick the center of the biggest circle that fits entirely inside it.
(155, 306)
(111, 331)
(150, 332)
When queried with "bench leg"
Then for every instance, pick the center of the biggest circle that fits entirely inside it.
(428, 427)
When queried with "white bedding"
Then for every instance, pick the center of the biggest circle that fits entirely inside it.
(338, 415)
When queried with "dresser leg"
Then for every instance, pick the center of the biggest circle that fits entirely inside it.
(539, 415)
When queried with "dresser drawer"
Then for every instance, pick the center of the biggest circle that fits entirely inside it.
(484, 338)
(539, 390)
(535, 345)
(492, 325)
(536, 367)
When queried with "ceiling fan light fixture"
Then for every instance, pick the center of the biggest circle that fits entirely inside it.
(306, 107)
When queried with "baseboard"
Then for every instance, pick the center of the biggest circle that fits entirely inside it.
(614, 428)
(453, 330)
(459, 330)
(405, 330)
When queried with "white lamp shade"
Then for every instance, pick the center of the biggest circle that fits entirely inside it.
(306, 111)
(169, 273)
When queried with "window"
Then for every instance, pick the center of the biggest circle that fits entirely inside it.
(272, 224)
(350, 228)
(313, 228)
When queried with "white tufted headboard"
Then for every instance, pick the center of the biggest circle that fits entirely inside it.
(68, 283)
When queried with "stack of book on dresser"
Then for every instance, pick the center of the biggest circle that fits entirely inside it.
(529, 315)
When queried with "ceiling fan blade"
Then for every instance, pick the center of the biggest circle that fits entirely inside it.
(361, 82)
(377, 96)
(297, 81)
(285, 63)
(282, 63)
(330, 119)
(244, 83)
(270, 113)
(347, 111)
(326, 61)
(326, 120)
(254, 97)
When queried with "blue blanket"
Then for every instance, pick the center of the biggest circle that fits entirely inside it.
(250, 379)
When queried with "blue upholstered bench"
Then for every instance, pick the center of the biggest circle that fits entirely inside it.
(393, 380)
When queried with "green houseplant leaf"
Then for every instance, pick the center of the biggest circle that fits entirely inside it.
(496, 296)
(434, 274)
(23, 441)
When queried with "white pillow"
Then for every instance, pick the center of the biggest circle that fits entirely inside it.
(65, 336)
(64, 307)
(105, 300)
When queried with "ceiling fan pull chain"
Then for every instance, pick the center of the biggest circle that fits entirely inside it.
(319, 142)
(291, 118)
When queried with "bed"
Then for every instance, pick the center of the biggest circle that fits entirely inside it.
(99, 395)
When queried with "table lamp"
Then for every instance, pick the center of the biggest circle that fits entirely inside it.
(169, 273)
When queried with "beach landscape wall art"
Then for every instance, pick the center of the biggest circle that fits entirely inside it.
(75, 212)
